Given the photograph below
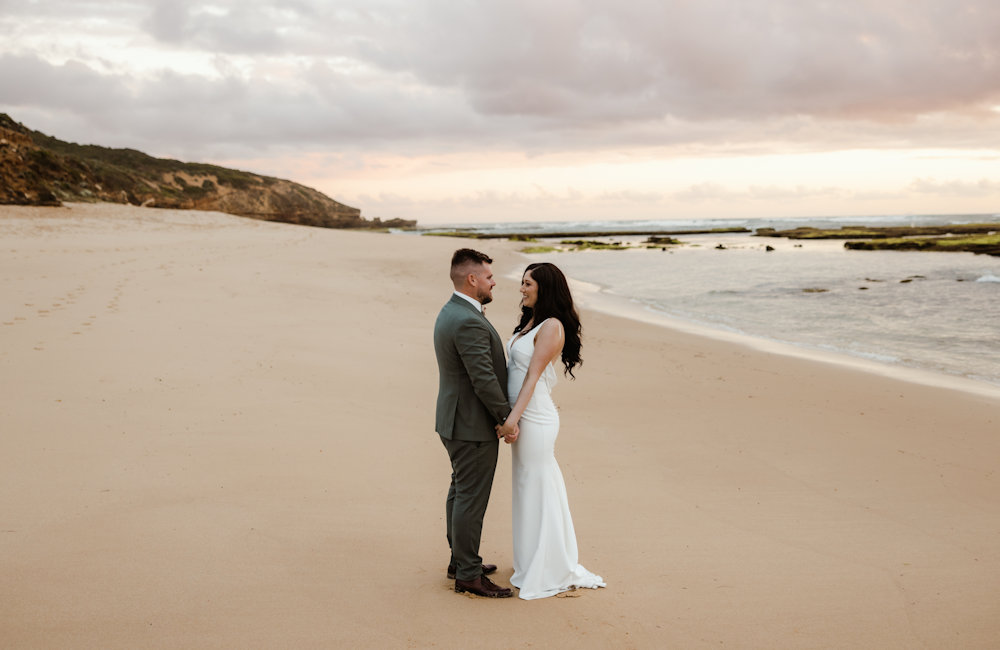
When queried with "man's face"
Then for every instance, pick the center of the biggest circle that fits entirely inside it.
(484, 283)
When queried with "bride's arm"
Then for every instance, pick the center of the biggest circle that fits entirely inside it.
(548, 345)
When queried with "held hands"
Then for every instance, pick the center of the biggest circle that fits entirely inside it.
(508, 431)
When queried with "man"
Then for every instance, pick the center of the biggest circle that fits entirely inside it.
(471, 411)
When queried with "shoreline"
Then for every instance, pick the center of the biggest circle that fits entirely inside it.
(613, 304)
(593, 297)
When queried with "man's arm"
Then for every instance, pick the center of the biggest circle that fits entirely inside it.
(472, 340)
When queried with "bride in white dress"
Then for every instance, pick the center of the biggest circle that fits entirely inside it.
(545, 551)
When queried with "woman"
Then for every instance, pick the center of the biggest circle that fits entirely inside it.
(545, 552)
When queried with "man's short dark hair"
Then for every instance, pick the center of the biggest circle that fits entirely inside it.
(464, 260)
(463, 255)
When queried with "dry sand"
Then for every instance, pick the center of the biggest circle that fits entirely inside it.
(218, 433)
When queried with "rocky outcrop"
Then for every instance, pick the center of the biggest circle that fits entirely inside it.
(979, 238)
(988, 244)
(878, 232)
(37, 169)
(21, 179)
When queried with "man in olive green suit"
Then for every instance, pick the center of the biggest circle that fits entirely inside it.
(472, 408)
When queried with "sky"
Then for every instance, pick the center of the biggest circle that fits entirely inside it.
(465, 111)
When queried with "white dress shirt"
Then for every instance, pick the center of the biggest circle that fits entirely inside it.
(473, 301)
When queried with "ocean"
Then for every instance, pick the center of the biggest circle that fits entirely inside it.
(935, 313)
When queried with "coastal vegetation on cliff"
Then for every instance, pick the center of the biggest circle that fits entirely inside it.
(39, 169)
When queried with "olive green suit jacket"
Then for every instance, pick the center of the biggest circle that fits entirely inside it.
(472, 370)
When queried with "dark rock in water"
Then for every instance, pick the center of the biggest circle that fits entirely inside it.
(862, 288)
(769, 248)
(663, 239)
(720, 247)
(589, 244)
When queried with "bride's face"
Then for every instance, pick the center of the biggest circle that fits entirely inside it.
(529, 291)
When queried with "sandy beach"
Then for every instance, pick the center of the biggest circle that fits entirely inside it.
(217, 432)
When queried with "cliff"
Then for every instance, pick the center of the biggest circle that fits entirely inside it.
(37, 169)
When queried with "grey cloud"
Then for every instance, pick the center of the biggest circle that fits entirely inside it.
(169, 21)
(605, 61)
(28, 81)
(182, 114)
(70, 9)
(534, 76)
(707, 60)
(241, 28)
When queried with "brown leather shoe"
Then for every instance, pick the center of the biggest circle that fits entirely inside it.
(482, 586)
(488, 569)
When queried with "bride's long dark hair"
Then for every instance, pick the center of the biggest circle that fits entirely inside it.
(554, 301)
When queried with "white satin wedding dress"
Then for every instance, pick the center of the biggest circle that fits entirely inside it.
(545, 551)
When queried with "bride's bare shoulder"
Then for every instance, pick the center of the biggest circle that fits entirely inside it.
(550, 328)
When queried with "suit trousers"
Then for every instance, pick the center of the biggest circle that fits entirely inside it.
(473, 465)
